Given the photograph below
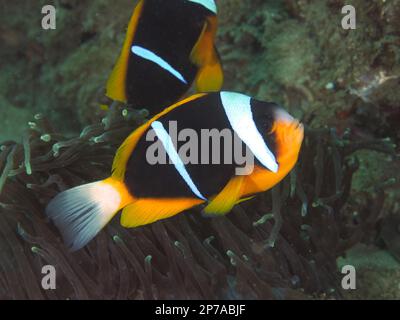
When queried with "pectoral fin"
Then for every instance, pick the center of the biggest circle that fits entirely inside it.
(245, 199)
(125, 150)
(210, 78)
(227, 198)
(145, 211)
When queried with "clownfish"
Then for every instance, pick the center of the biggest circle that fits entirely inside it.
(169, 45)
(149, 191)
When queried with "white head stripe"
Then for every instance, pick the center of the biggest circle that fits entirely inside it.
(238, 110)
(151, 56)
(166, 141)
(209, 4)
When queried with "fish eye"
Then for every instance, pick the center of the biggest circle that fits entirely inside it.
(266, 122)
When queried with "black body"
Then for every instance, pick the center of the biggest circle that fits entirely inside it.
(163, 180)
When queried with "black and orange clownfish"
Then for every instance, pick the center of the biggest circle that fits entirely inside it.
(148, 190)
(168, 46)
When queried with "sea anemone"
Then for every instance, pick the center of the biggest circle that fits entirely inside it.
(281, 245)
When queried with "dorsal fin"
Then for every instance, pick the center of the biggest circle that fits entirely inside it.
(125, 150)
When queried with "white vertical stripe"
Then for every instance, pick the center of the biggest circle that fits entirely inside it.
(169, 147)
(209, 4)
(151, 56)
(238, 110)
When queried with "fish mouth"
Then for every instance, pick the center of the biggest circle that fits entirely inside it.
(297, 125)
(297, 133)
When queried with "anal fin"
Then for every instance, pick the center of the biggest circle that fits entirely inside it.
(145, 211)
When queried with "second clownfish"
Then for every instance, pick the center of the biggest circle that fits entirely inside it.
(168, 46)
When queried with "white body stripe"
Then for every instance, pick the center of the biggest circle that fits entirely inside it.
(209, 4)
(151, 56)
(169, 147)
(238, 110)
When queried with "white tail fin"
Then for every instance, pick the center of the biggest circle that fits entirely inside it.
(81, 212)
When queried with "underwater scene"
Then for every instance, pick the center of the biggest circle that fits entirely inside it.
(199, 150)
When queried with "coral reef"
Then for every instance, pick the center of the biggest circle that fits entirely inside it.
(295, 52)
(243, 255)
